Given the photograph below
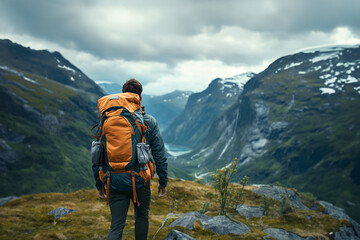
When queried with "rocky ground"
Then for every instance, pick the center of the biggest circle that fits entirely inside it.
(264, 212)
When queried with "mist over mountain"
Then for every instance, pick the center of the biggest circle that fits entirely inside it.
(297, 122)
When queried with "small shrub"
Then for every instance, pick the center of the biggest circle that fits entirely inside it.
(221, 179)
(285, 205)
(265, 204)
(308, 199)
(236, 196)
(204, 207)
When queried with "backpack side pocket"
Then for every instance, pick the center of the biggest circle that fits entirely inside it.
(96, 152)
(142, 151)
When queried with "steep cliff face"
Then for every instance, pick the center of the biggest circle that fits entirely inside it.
(297, 122)
(191, 126)
(44, 124)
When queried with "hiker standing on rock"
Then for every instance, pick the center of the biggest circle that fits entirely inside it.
(122, 163)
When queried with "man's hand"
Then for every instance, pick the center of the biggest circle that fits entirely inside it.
(101, 194)
(161, 190)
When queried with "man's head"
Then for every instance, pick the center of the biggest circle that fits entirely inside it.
(133, 86)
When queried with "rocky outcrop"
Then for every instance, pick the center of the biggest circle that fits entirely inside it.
(250, 211)
(177, 235)
(278, 193)
(5, 200)
(340, 214)
(61, 212)
(223, 225)
(218, 224)
(346, 233)
(282, 234)
(187, 220)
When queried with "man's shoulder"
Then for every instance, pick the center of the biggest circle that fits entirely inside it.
(150, 120)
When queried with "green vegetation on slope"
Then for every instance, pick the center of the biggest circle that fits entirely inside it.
(27, 216)
(53, 150)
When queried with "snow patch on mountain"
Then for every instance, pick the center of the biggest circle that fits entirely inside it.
(67, 68)
(239, 79)
(20, 74)
(327, 90)
(292, 65)
(326, 56)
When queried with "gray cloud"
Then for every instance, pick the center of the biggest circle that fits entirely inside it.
(165, 34)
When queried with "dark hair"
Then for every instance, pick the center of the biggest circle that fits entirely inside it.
(133, 86)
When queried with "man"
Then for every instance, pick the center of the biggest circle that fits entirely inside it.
(121, 191)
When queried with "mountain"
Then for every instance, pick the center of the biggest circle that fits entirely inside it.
(297, 122)
(47, 109)
(110, 87)
(191, 126)
(163, 107)
(48, 65)
(69, 215)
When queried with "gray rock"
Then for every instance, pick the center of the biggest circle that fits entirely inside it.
(281, 234)
(5, 200)
(61, 212)
(218, 224)
(223, 225)
(340, 214)
(278, 193)
(334, 211)
(250, 211)
(346, 233)
(187, 220)
(177, 235)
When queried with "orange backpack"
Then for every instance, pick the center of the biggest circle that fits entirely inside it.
(119, 133)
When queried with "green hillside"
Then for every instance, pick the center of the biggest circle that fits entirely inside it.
(44, 128)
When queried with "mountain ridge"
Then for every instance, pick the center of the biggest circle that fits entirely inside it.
(202, 108)
(286, 128)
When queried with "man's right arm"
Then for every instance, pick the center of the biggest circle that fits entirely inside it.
(95, 168)
(157, 150)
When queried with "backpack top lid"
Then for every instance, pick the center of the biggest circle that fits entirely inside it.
(130, 101)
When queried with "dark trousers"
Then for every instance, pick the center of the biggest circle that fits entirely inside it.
(119, 204)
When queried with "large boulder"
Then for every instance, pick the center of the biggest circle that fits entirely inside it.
(177, 235)
(223, 225)
(282, 234)
(278, 193)
(187, 220)
(218, 224)
(250, 211)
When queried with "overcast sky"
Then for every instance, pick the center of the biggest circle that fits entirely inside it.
(182, 44)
